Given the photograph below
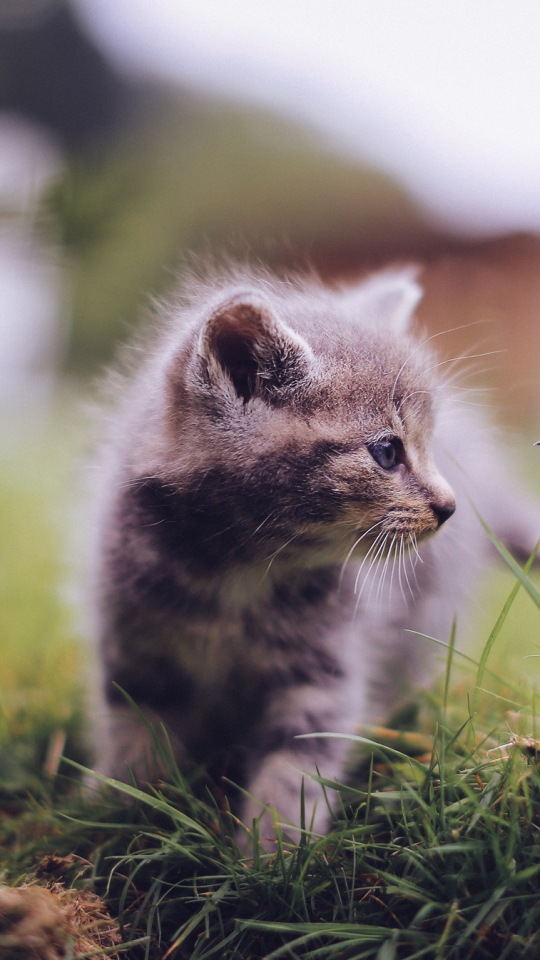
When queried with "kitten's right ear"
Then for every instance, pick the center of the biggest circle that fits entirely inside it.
(245, 340)
(387, 300)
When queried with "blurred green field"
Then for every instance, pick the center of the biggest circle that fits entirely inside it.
(43, 660)
(44, 654)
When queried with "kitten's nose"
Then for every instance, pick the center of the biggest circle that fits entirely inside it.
(443, 511)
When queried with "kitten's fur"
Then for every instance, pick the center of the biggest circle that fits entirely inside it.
(242, 481)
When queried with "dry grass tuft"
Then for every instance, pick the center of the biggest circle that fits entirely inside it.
(51, 922)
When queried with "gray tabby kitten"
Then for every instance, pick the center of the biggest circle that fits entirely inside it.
(283, 461)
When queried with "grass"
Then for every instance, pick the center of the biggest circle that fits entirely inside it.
(41, 656)
(434, 853)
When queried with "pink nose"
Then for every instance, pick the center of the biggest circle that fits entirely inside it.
(443, 511)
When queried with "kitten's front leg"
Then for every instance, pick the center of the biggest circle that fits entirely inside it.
(126, 745)
(275, 777)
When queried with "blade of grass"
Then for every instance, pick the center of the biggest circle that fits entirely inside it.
(356, 738)
(449, 659)
(513, 564)
(137, 794)
(117, 948)
(442, 758)
(349, 930)
(464, 656)
(499, 622)
(513, 703)
(190, 925)
(369, 789)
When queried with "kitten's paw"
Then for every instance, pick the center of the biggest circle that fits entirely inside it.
(127, 748)
(276, 799)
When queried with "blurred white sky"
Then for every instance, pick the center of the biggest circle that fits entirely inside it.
(31, 301)
(443, 94)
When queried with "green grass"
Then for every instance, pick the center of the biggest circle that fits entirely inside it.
(434, 859)
(198, 176)
(42, 658)
(433, 855)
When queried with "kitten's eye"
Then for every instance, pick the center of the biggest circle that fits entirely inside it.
(385, 453)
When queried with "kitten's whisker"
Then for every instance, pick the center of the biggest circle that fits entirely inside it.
(414, 559)
(373, 560)
(376, 559)
(376, 577)
(394, 561)
(379, 572)
(391, 560)
(130, 482)
(266, 519)
(400, 563)
(373, 545)
(422, 344)
(452, 377)
(353, 548)
(274, 555)
(275, 514)
(414, 543)
(406, 575)
(220, 532)
(414, 394)
(385, 568)
(454, 360)
(460, 359)
(472, 390)
(382, 573)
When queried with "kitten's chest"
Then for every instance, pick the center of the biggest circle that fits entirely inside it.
(291, 629)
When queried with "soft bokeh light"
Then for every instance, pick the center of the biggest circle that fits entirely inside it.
(443, 95)
(31, 311)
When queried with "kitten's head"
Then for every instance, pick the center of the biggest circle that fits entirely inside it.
(307, 415)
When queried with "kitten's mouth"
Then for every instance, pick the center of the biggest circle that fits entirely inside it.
(397, 535)
(404, 523)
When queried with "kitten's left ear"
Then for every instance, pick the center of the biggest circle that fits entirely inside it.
(244, 340)
(387, 300)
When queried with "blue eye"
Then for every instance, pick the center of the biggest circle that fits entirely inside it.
(385, 453)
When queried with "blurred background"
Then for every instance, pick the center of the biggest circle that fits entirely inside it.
(338, 135)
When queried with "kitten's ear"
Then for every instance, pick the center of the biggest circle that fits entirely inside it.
(387, 300)
(244, 339)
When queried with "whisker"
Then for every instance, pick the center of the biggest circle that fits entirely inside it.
(220, 532)
(375, 560)
(385, 569)
(405, 574)
(449, 380)
(373, 545)
(394, 561)
(414, 559)
(400, 562)
(470, 356)
(376, 573)
(422, 344)
(353, 548)
(131, 481)
(414, 543)
(266, 519)
(409, 395)
(274, 555)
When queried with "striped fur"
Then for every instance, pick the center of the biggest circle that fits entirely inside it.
(258, 564)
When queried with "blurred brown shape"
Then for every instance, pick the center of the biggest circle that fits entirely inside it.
(494, 287)
(489, 290)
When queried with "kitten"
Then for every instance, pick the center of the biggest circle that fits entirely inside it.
(271, 524)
